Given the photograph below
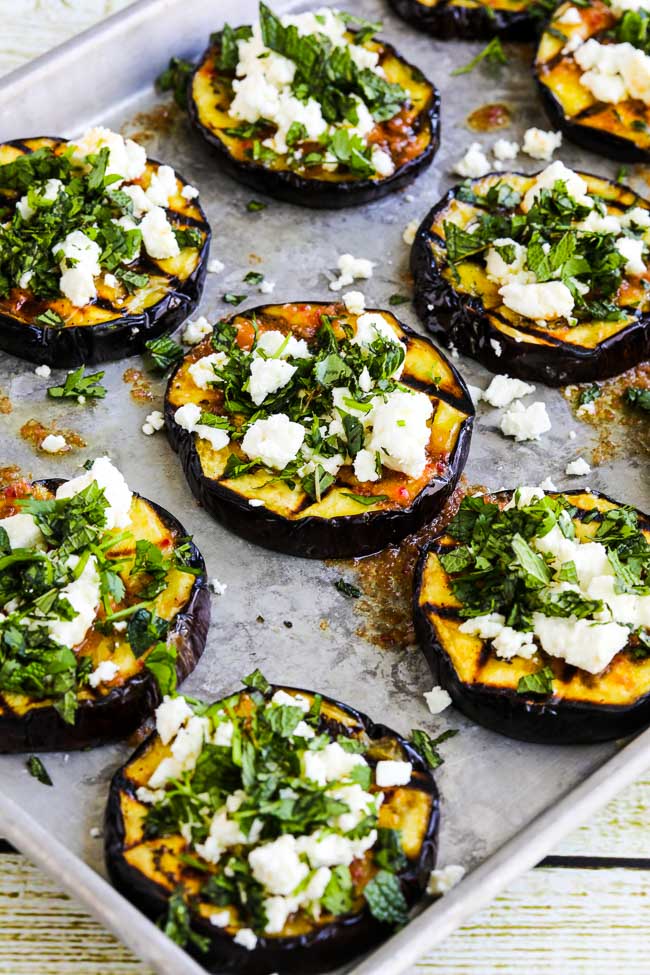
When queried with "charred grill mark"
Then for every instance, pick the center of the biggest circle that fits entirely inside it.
(485, 654)
(446, 612)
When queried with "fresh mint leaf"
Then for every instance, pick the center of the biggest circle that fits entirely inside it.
(161, 662)
(347, 589)
(233, 299)
(338, 898)
(428, 746)
(366, 500)
(638, 397)
(257, 681)
(145, 628)
(385, 899)
(38, 771)
(541, 682)
(492, 54)
(164, 352)
(175, 78)
(77, 385)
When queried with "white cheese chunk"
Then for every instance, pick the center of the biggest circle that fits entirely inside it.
(582, 643)
(278, 345)
(497, 267)
(354, 302)
(274, 441)
(437, 699)
(43, 372)
(474, 163)
(575, 185)
(267, 376)
(48, 191)
(570, 16)
(171, 715)
(540, 144)
(215, 266)
(83, 596)
(162, 187)
(154, 422)
(23, 532)
(78, 286)
(400, 431)
(487, 626)
(282, 699)
(116, 491)
(54, 443)
(277, 865)
(158, 235)
(512, 643)
(369, 327)
(392, 773)
(126, 158)
(578, 467)
(105, 672)
(503, 390)
(203, 370)
(350, 269)
(141, 202)
(503, 149)
(408, 236)
(632, 251)
(188, 418)
(197, 330)
(189, 192)
(638, 216)
(442, 881)
(246, 938)
(382, 161)
(539, 302)
(525, 422)
(330, 763)
(365, 466)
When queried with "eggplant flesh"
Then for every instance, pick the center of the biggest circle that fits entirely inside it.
(470, 19)
(583, 708)
(467, 312)
(412, 138)
(117, 323)
(113, 711)
(147, 871)
(619, 130)
(337, 526)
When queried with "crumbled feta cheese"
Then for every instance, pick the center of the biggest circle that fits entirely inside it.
(572, 435)
(141, 202)
(437, 699)
(400, 431)
(256, 502)
(43, 372)
(126, 158)
(578, 468)
(105, 672)
(354, 302)
(274, 441)
(277, 345)
(382, 161)
(78, 286)
(575, 185)
(474, 163)
(499, 270)
(570, 16)
(496, 346)
(539, 302)
(267, 376)
(330, 763)
(95, 832)
(503, 390)
(487, 626)
(525, 422)
(246, 938)
(189, 192)
(110, 281)
(370, 326)
(49, 191)
(475, 393)
(188, 418)
(282, 699)
(218, 588)
(540, 144)
(365, 466)
(158, 235)
(116, 491)
(83, 596)
(203, 370)
(638, 216)
(220, 919)
(54, 443)
(155, 421)
(512, 643)
(503, 149)
(582, 643)
(392, 773)
(267, 287)
(215, 266)
(410, 231)
(441, 881)
(632, 250)
(23, 532)
(277, 865)
(162, 187)
(171, 715)
(197, 330)
(524, 496)
(614, 72)
(350, 269)
(548, 485)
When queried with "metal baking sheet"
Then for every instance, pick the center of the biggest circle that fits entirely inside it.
(505, 803)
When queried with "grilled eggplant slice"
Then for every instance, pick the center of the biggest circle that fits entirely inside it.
(158, 869)
(116, 706)
(462, 307)
(312, 176)
(541, 698)
(620, 130)
(352, 516)
(470, 19)
(126, 312)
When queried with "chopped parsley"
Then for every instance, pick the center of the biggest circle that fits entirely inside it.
(38, 771)
(163, 352)
(175, 78)
(347, 589)
(492, 54)
(428, 746)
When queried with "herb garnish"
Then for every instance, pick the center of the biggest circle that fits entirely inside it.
(347, 589)
(492, 54)
(36, 769)
(164, 352)
(175, 78)
(639, 397)
(254, 206)
(541, 682)
(428, 746)
(79, 387)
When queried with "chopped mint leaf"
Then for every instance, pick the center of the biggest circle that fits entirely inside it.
(36, 769)
(541, 682)
(79, 387)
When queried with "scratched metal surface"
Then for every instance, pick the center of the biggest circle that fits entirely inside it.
(492, 787)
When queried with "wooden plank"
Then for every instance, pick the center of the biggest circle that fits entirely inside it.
(591, 922)
(618, 830)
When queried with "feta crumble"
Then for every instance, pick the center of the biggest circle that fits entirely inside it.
(43, 372)
(525, 422)
(442, 881)
(197, 330)
(155, 421)
(539, 144)
(474, 163)
(503, 390)
(351, 269)
(578, 468)
(437, 699)
(102, 674)
(54, 443)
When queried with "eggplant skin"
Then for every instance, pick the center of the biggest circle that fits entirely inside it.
(333, 944)
(461, 320)
(117, 338)
(552, 721)
(315, 537)
(122, 711)
(292, 187)
(449, 21)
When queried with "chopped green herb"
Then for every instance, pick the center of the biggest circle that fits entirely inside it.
(347, 589)
(428, 746)
(176, 78)
(254, 206)
(590, 394)
(365, 499)
(164, 352)
(541, 682)
(161, 662)
(397, 299)
(253, 277)
(177, 924)
(36, 769)
(49, 318)
(492, 54)
(232, 299)
(385, 898)
(78, 386)
(636, 396)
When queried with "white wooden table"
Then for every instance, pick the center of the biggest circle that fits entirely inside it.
(586, 911)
